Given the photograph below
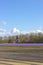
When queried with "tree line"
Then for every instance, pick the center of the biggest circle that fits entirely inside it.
(27, 38)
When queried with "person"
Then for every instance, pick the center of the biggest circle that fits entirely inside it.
(16, 39)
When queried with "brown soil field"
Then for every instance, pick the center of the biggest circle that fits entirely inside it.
(33, 55)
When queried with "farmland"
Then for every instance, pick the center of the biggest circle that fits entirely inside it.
(29, 53)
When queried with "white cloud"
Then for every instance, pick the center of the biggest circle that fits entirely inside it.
(39, 31)
(2, 32)
(15, 30)
(4, 23)
(25, 32)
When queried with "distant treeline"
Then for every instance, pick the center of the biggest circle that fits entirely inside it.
(27, 38)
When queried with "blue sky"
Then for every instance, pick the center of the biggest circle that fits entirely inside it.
(26, 15)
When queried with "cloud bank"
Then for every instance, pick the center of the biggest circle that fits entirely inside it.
(16, 31)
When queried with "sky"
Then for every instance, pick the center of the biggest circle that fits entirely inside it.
(23, 15)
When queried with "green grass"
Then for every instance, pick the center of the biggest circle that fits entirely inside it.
(20, 47)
